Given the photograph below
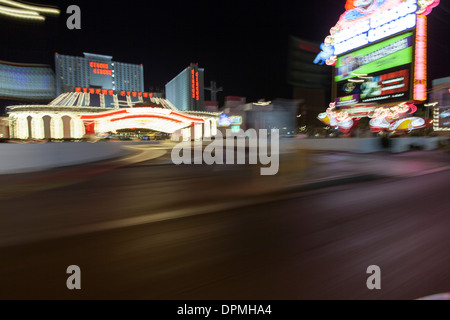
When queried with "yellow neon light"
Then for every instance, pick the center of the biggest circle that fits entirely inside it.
(30, 7)
(18, 11)
(22, 16)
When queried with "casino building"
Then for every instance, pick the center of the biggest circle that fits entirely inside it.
(96, 71)
(96, 95)
(72, 115)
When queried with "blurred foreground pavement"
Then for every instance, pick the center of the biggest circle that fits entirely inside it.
(145, 182)
(146, 229)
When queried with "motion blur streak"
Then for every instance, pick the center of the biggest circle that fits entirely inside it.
(137, 232)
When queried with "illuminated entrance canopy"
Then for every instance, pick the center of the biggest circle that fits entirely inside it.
(157, 119)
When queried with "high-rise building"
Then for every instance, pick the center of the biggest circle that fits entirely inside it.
(97, 71)
(186, 90)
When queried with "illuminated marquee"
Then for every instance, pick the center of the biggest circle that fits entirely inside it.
(378, 48)
(379, 26)
(368, 21)
(158, 119)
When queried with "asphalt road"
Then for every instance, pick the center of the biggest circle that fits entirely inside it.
(310, 245)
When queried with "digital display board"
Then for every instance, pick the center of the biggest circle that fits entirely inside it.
(380, 87)
(380, 73)
(384, 55)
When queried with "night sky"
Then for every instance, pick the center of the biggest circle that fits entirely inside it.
(242, 45)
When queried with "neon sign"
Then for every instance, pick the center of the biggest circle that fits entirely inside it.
(100, 68)
(193, 83)
(366, 21)
(382, 25)
(420, 66)
(224, 120)
(196, 86)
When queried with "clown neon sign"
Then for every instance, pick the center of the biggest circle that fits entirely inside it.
(367, 21)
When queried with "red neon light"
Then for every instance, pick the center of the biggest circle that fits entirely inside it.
(196, 86)
(420, 61)
(128, 93)
(98, 91)
(77, 89)
(111, 92)
(98, 65)
(91, 90)
(122, 111)
(146, 116)
(84, 90)
(101, 71)
(104, 91)
(150, 94)
(122, 93)
(133, 93)
(187, 117)
(193, 84)
(139, 94)
(103, 115)
(145, 94)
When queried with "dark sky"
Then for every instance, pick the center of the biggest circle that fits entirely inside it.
(242, 45)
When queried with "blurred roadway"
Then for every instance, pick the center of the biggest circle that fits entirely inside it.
(151, 230)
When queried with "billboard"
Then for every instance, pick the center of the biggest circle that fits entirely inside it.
(380, 73)
(380, 87)
(384, 55)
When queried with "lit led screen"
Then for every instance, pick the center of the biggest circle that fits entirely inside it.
(384, 55)
(380, 73)
(380, 87)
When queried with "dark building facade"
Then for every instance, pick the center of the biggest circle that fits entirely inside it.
(311, 83)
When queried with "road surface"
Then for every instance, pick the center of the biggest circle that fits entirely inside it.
(307, 245)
